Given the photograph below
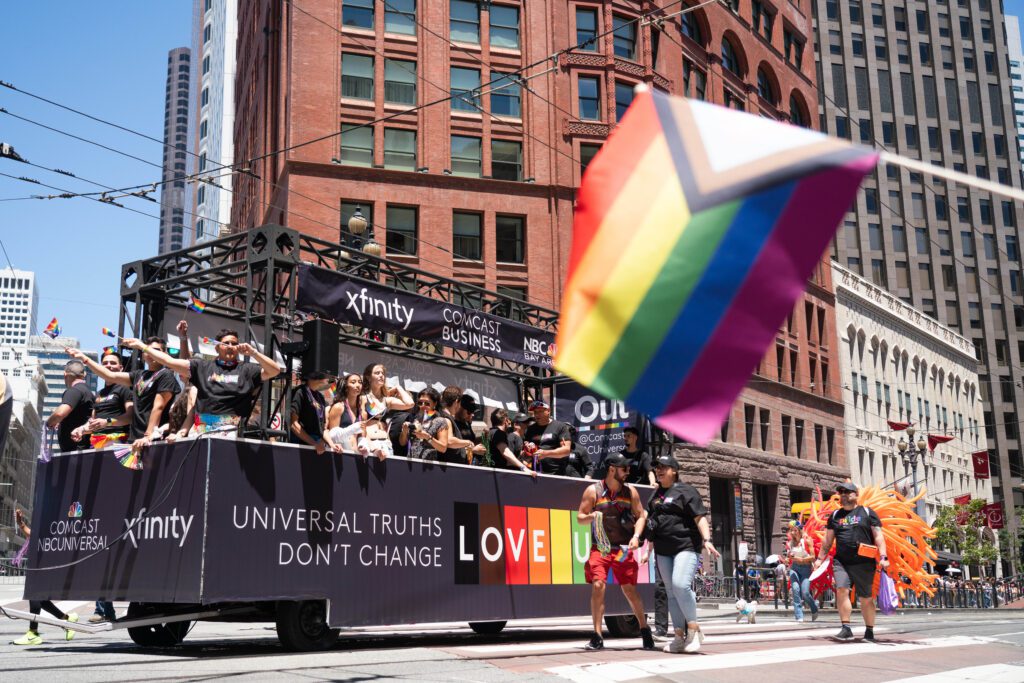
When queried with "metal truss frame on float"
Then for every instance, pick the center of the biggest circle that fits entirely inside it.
(250, 277)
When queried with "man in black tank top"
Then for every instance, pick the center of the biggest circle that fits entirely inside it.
(617, 505)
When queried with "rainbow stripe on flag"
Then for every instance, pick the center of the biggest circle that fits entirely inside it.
(196, 305)
(108, 332)
(696, 230)
(53, 329)
(108, 350)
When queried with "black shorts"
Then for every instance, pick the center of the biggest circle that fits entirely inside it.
(860, 575)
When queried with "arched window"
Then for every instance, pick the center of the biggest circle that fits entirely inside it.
(729, 59)
(765, 88)
(797, 115)
(691, 27)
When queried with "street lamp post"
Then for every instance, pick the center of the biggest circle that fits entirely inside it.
(911, 453)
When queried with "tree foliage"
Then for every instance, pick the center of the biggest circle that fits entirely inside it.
(961, 528)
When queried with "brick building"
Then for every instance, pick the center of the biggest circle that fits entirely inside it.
(480, 185)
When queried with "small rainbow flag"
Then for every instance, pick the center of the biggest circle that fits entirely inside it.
(107, 350)
(108, 332)
(207, 340)
(696, 229)
(129, 458)
(53, 329)
(196, 305)
(622, 554)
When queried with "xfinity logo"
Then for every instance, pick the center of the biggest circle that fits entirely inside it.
(143, 528)
(361, 305)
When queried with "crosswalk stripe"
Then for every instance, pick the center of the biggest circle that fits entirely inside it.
(627, 671)
(633, 643)
(990, 673)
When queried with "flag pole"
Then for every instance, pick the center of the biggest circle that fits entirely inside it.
(955, 176)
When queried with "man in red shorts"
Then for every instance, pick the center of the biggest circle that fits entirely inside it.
(621, 517)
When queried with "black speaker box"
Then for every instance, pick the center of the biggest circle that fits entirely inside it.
(322, 353)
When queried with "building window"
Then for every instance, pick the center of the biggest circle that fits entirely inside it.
(765, 88)
(357, 146)
(203, 129)
(587, 153)
(690, 27)
(206, 65)
(793, 48)
(729, 59)
(357, 13)
(504, 27)
(465, 156)
(506, 95)
(202, 162)
(399, 81)
(694, 81)
(586, 29)
(796, 113)
(590, 98)
(465, 89)
(201, 195)
(762, 20)
(357, 76)
(624, 31)
(400, 16)
(506, 159)
(400, 149)
(465, 21)
(509, 239)
(204, 98)
(206, 33)
(401, 229)
(466, 235)
(623, 98)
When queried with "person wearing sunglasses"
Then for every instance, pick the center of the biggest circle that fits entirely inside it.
(426, 432)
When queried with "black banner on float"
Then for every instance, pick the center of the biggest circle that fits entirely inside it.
(399, 541)
(347, 300)
(599, 421)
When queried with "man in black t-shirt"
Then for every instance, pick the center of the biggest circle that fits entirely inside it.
(112, 410)
(551, 438)
(857, 533)
(502, 457)
(309, 413)
(640, 469)
(579, 464)
(463, 445)
(153, 388)
(226, 386)
(75, 407)
(515, 435)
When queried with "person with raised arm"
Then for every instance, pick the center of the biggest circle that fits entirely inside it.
(153, 388)
(226, 387)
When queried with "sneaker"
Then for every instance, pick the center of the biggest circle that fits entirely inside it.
(869, 635)
(596, 643)
(676, 646)
(648, 638)
(661, 633)
(97, 619)
(30, 638)
(694, 638)
(814, 616)
(800, 620)
(72, 618)
(844, 633)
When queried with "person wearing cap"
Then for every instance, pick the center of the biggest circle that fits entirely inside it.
(551, 437)
(613, 508)
(309, 413)
(463, 446)
(516, 437)
(679, 526)
(856, 531)
(800, 555)
(502, 457)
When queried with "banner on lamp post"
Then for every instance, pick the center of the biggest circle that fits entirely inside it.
(994, 514)
(980, 461)
(963, 515)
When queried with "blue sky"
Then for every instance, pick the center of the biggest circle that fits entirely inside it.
(111, 64)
